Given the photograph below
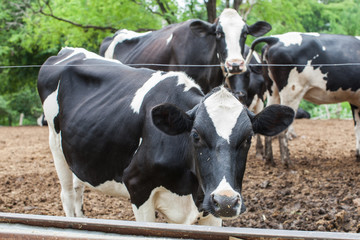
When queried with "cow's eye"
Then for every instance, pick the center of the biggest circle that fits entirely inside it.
(245, 143)
(195, 136)
(219, 35)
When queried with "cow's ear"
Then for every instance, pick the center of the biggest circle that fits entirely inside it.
(272, 120)
(259, 28)
(202, 28)
(170, 119)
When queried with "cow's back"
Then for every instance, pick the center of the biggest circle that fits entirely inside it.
(167, 49)
(103, 111)
(332, 54)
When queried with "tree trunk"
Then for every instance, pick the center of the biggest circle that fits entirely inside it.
(237, 4)
(165, 10)
(211, 10)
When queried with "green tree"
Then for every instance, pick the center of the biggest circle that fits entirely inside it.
(33, 30)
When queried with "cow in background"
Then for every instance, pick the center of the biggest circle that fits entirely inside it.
(321, 68)
(193, 42)
(149, 135)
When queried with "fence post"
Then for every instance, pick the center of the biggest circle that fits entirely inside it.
(21, 119)
(327, 111)
(338, 110)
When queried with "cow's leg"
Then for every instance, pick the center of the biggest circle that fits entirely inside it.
(259, 147)
(274, 98)
(269, 157)
(79, 193)
(257, 106)
(290, 133)
(64, 173)
(356, 117)
(290, 96)
(284, 150)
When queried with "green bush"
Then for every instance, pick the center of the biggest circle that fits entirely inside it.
(342, 110)
(25, 101)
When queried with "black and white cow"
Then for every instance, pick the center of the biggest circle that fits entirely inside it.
(149, 135)
(318, 67)
(194, 42)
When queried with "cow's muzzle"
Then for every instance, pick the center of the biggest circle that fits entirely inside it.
(227, 207)
(242, 96)
(235, 66)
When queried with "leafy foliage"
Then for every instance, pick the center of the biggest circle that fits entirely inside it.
(33, 30)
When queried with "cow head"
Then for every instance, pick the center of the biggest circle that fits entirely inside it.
(241, 84)
(220, 130)
(230, 32)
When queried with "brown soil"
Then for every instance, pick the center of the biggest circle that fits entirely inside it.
(321, 193)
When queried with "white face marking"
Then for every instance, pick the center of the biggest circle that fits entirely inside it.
(177, 209)
(149, 84)
(188, 83)
(122, 36)
(169, 39)
(224, 186)
(224, 110)
(324, 48)
(232, 25)
(88, 55)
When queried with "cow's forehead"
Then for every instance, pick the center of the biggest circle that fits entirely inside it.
(224, 110)
(230, 20)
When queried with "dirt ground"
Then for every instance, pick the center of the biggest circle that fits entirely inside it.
(321, 193)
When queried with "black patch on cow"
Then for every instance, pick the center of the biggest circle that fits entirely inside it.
(57, 124)
(171, 120)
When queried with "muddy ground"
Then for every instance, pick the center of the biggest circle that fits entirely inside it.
(321, 193)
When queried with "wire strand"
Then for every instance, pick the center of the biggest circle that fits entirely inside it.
(194, 66)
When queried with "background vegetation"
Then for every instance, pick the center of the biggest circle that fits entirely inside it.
(33, 30)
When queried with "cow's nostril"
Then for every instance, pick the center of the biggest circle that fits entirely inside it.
(235, 66)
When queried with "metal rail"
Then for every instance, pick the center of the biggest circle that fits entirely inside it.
(144, 230)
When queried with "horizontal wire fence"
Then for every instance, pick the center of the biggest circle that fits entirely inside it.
(322, 114)
(197, 66)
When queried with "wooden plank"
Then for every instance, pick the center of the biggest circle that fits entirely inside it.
(169, 230)
(15, 231)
